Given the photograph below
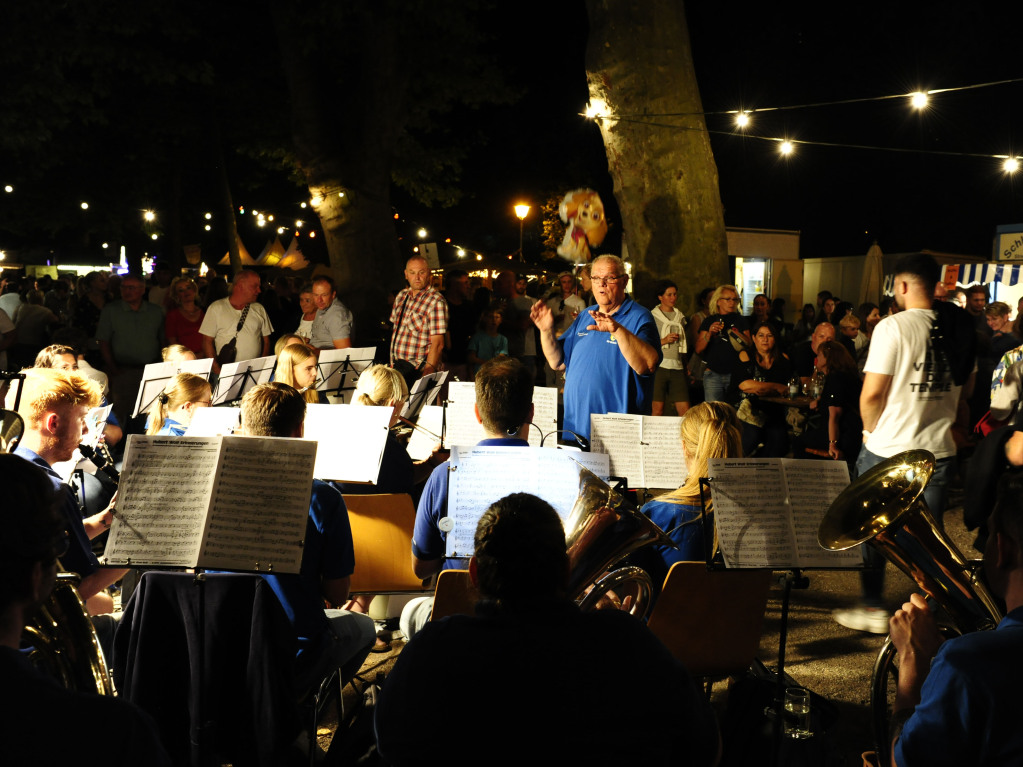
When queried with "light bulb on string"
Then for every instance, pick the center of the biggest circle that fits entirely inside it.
(742, 120)
(918, 99)
(786, 148)
(1011, 165)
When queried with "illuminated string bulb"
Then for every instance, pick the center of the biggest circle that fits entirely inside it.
(148, 215)
(8, 188)
(316, 201)
(422, 234)
(786, 148)
(208, 227)
(85, 206)
(918, 99)
(742, 120)
(1011, 165)
(209, 216)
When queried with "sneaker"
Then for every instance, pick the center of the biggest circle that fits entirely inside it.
(872, 619)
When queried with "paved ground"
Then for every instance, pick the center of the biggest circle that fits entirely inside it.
(830, 660)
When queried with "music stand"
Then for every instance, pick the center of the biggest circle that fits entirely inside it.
(156, 375)
(334, 365)
(236, 378)
(424, 392)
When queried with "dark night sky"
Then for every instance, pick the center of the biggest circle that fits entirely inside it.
(842, 199)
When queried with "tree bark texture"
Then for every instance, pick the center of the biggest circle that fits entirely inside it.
(344, 140)
(639, 63)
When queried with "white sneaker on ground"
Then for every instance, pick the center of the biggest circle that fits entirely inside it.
(872, 619)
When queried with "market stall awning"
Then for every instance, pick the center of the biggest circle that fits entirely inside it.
(969, 274)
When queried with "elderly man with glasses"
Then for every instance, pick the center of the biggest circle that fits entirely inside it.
(609, 354)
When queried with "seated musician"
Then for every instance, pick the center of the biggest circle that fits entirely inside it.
(41, 723)
(956, 701)
(172, 412)
(54, 404)
(331, 638)
(64, 357)
(504, 405)
(620, 697)
(709, 430)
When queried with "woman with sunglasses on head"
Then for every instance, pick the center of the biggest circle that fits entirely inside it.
(720, 335)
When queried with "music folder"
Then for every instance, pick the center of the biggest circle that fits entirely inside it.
(464, 429)
(223, 503)
(647, 450)
(767, 511)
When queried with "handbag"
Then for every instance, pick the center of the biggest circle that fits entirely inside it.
(229, 351)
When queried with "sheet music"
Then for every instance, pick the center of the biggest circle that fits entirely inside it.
(257, 521)
(214, 421)
(813, 487)
(647, 450)
(421, 445)
(234, 382)
(351, 439)
(331, 363)
(598, 463)
(482, 475)
(768, 510)
(157, 375)
(619, 435)
(162, 500)
(663, 464)
(545, 415)
(463, 428)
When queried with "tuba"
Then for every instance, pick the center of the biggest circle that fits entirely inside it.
(601, 530)
(64, 643)
(885, 508)
(60, 634)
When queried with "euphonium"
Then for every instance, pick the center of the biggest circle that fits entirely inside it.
(64, 643)
(12, 427)
(885, 507)
(601, 530)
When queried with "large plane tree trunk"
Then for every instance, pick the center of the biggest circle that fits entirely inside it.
(639, 63)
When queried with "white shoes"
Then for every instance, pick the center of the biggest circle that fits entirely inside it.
(872, 619)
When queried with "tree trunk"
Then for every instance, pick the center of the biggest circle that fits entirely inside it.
(344, 140)
(639, 62)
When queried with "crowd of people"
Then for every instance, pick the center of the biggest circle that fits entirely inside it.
(839, 382)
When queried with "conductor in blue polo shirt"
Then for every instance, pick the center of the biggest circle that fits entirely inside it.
(609, 354)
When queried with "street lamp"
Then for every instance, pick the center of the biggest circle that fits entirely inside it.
(521, 210)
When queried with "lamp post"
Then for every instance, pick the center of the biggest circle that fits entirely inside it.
(521, 210)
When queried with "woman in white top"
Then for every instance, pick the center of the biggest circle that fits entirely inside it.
(308, 305)
(671, 381)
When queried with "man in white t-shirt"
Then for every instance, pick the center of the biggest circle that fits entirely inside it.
(909, 402)
(220, 324)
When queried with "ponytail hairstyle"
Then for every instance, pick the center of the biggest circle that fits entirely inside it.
(291, 356)
(183, 388)
(380, 385)
(709, 430)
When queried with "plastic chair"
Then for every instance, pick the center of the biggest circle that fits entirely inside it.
(711, 620)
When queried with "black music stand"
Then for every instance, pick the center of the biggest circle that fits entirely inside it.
(334, 365)
(156, 375)
(240, 377)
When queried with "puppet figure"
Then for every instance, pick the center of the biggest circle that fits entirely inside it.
(583, 211)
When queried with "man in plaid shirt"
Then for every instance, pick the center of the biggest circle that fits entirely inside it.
(420, 320)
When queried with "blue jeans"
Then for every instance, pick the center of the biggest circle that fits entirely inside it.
(935, 496)
(715, 385)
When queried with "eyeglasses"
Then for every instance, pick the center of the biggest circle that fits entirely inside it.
(613, 279)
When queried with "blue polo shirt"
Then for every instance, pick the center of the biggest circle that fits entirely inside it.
(79, 557)
(597, 377)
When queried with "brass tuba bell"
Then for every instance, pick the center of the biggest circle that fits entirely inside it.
(885, 507)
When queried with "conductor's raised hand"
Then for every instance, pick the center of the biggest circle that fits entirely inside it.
(602, 322)
(542, 316)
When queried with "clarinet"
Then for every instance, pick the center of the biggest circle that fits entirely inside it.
(102, 461)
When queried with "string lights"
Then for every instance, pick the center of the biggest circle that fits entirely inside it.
(743, 119)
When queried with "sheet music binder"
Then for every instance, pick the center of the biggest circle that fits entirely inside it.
(211, 502)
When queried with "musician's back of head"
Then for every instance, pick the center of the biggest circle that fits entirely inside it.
(33, 530)
(520, 556)
(504, 394)
(273, 409)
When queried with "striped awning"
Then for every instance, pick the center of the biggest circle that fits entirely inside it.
(968, 274)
